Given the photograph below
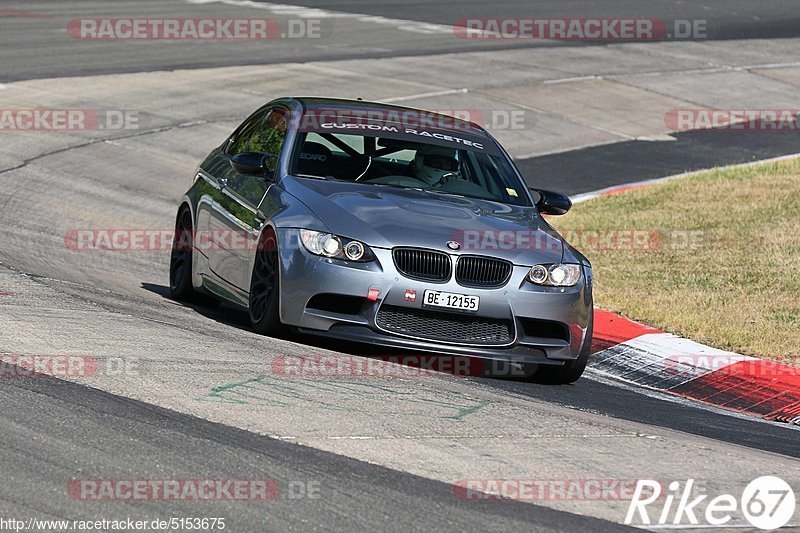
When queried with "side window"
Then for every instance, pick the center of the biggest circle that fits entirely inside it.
(264, 135)
(245, 134)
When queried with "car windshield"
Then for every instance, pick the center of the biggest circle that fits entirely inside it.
(456, 163)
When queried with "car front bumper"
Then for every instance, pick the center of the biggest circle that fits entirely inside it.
(546, 324)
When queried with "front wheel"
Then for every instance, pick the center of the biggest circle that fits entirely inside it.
(265, 288)
(180, 263)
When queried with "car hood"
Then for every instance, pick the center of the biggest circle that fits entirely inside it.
(385, 217)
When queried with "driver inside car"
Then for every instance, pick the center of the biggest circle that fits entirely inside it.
(435, 165)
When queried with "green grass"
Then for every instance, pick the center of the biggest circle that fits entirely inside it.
(723, 267)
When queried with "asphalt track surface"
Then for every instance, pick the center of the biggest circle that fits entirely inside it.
(598, 167)
(737, 19)
(41, 48)
(54, 430)
(105, 427)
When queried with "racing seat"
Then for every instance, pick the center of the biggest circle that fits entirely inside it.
(315, 159)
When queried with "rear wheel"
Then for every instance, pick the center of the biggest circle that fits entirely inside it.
(180, 263)
(571, 371)
(265, 288)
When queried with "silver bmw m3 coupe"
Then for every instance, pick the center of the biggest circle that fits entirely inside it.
(384, 225)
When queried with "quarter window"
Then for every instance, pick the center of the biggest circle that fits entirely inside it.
(264, 135)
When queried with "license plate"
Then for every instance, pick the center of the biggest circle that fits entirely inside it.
(462, 302)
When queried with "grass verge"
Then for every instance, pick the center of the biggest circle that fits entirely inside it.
(713, 257)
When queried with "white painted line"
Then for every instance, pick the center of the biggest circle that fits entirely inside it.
(768, 66)
(570, 80)
(281, 9)
(698, 526)
(701, 70)
(413, 26)
(658, 137)
(709, 70)
(578, 198)
(424, 95)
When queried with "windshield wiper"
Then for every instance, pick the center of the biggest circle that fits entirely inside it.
(437, 191)
(326, 178)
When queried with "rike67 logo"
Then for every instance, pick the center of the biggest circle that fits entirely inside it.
(767, 503)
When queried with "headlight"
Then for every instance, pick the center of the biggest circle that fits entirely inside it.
(333, 246)
(557, 275)
(354, 250)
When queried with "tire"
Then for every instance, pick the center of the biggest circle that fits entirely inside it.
(180, 264)
(571, 371)
(264, 299)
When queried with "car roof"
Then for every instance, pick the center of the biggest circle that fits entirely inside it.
(311, 104)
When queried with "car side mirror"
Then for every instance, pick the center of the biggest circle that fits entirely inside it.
(552, 203)
(252, 164)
